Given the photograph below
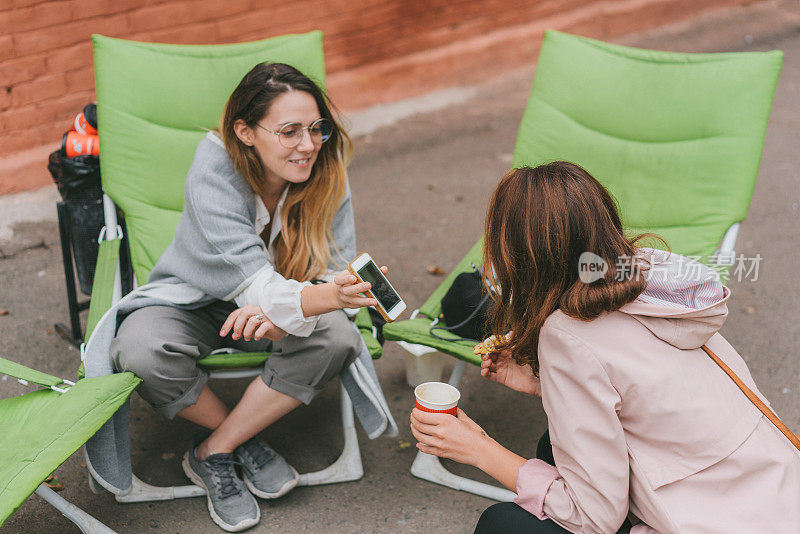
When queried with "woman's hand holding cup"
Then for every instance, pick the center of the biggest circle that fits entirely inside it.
(441, 428)
(455, 438)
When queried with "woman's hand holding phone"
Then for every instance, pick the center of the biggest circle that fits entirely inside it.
(348, 290)
(343, 292)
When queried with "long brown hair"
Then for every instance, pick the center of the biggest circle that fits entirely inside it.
(303, 251)
(540, 220)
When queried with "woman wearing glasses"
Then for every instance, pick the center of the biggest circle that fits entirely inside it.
(267, 211)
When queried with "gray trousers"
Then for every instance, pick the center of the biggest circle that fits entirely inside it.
(161, 345)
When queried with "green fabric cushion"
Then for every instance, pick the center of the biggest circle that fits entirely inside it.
(417, 330)
(103, 284)
(256, 359)
(39, 430)
(155, 102)
(233, 360)
(676, 138)
(364, 323)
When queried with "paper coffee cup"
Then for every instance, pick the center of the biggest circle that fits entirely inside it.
(437, 397)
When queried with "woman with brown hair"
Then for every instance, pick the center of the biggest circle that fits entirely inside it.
(642, 424)
(267, 212)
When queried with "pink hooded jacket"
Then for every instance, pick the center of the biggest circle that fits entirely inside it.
(642, 421)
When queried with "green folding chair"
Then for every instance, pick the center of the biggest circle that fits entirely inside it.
(676, 138)
(41, 429)
(155, 103)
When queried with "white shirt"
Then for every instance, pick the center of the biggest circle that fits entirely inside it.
(278, 297)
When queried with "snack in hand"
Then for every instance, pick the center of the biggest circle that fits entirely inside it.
(487, 346)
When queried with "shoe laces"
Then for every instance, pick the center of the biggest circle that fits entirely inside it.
(259, 454)
(223, 472)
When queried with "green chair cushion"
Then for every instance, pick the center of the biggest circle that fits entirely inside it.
(155, 103)
(364, 323)
(417, 331)
(103, 284)
(233, 360)
(256, 359)
(40, 430)
(676, 138)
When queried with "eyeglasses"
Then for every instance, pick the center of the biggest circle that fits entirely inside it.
(290, 135)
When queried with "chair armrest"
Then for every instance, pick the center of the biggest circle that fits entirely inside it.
(103, 286)
(26, 374)
(364, 323)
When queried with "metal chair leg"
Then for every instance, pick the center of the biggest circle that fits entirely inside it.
(143, 492)
(348, 466)
(430, 468)
(85, 522)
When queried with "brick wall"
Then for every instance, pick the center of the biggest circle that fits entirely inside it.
(376, 50)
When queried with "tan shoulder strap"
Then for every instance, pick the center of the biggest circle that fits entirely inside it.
(755, 400)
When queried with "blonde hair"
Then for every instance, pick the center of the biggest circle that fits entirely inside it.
(304, 248)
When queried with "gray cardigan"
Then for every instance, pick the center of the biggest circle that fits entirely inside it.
(214, 255)
(216, 248)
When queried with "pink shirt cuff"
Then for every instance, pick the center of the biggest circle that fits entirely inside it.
(534, 479)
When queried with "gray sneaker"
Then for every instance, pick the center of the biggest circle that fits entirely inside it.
(230, 504)
(265, 472)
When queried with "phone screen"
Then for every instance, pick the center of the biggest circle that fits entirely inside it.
(380, 285)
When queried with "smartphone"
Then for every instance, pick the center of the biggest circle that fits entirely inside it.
(390, 303)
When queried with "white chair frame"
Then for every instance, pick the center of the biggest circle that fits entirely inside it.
(85, 522)
(430, 468)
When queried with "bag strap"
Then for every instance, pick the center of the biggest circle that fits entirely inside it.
(459, 325)
(754, 399)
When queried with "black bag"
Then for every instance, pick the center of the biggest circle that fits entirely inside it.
(466, 307)
(78, 181)
(377, 321)
(77, 178)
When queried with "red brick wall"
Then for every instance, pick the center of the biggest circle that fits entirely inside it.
(376, 50)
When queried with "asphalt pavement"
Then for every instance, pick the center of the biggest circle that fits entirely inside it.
(421, 178)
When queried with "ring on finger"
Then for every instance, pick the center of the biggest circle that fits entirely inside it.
(258, 317)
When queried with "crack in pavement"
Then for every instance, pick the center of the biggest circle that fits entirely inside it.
(40, 245)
